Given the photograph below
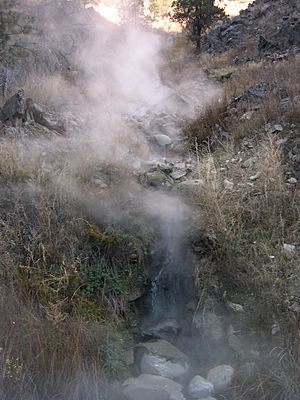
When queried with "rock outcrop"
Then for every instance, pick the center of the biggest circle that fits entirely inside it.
(273, 24)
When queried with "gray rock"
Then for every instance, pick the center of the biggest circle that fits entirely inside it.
(190, 187)
(209, 326)
(161, 358)
(13, 113)
(221, 377)
(199, 388)
(168, 327)
(157, 179)
(151, 387)
(162, 140)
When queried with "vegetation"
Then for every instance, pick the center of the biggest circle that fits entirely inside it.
(196, 16)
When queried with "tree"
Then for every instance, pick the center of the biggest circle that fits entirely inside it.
(196, 16)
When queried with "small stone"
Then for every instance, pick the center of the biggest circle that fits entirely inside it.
(247, 116)
(235, 307)
(162, 140)
(199, 388)
(292, 181)
(228, 184)
(221, 377)
(254, 177)
(275, 329)
(289, 248)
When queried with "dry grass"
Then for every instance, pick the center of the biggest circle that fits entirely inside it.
(251, 222)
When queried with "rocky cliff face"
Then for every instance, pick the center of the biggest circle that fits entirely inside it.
(274, 25)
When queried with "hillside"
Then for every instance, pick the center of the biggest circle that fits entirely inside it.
(149, 209)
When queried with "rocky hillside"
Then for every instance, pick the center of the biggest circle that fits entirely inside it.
(269, 25)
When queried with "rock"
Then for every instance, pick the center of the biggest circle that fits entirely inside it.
(292, 181)
(277, 128)
(246, 373)
(289, 248)
(162, 140)
(152, 387)
(199, 388)
(157, 179)
(209, 325)
(221, 377)
(235, 307)
(13, 113)
(235, 344)
(44, 118)
(247, 116)
(166, 328)
(275, 329)
(228, 184)
(161, 358)
(190, 187)
(178, 173)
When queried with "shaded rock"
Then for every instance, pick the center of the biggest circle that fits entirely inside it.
(246, 373)
(209, 325)
(221, 377)
(161, 358)
(151, 387)
(167, 328)
(199, 388)
(13, 113)
(190, 187)
(156, 179)
(44, 118)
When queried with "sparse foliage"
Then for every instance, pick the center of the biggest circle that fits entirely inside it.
(196, 16)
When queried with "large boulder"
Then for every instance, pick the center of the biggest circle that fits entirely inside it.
(159, 357)
(152, 387)
(200, 388)
(221, 377)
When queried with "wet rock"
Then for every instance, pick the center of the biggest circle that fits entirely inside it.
(43, 117)
(152, 387)
(167, 328)
(178, 173)
(199, 388)
(275, 329)
(162, 140)
(161, 358)
(221, 377)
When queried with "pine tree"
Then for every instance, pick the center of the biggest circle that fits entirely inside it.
(196, 16)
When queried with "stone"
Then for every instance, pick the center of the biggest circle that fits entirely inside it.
(275, 329)
(190, 187)
(13, 112)
(162, 140)
(235, 307)
(160, 357)
(178, 173)
(157, 179)
(210, 326)
(247, 116)
(292, 181)
(168, 327)
(228, 184)
(289, 248)
(152, 387)
(199, 388)
(221, 377)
